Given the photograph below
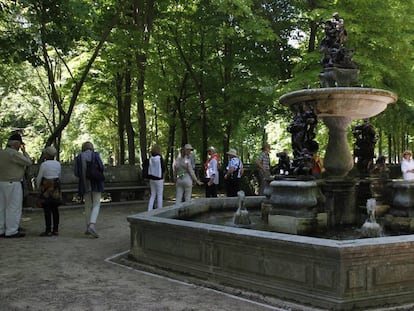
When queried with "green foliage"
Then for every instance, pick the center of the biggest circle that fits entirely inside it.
(235, 57)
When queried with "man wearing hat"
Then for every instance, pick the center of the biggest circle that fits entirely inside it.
(12, 167)
(188, 149)
(407, 166)
(234, 172)
(264, 167)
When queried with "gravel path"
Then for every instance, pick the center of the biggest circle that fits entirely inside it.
(72, 271)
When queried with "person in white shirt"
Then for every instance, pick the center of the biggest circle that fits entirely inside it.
(211, 173)
(48, 182)
(407, 166)
(156, 170)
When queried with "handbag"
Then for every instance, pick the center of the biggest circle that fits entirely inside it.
(49, 192)
(93, 171)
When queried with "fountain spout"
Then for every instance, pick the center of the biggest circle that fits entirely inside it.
(371, 229)
(241, 216)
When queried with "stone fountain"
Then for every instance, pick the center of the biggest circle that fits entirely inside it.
(337, 107)
(353, 274)
(337, 103)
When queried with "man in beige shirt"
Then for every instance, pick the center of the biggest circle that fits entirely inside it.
(12, 167)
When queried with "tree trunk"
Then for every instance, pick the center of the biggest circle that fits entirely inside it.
(143, 19)
(78, 85)
(142, 119)
(199, 85)
(391, 158)
(121, 118)
(226, 143)
(127, 112)
(170, 152)
(312, 36)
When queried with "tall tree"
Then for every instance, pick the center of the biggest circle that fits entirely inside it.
(143, 16)
(51, 29)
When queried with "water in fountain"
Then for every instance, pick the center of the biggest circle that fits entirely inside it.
(370, 228)
(241, 216)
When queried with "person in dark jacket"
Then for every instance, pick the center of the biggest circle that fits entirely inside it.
(89, 189)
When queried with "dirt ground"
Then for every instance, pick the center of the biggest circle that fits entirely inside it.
(74, 272)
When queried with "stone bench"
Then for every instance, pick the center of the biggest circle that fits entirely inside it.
(122, 183)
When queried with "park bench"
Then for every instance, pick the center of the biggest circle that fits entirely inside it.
(122, 183)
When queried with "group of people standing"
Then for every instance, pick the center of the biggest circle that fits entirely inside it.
(184, 174)
(13, 163)
(89, 188)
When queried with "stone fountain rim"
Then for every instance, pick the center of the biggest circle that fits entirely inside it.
(168, 216)
(312, 94)
(294, 183)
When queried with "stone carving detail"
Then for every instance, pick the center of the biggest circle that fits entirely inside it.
(332, 46)
(339, 69)
(304, 145)
(365, 139)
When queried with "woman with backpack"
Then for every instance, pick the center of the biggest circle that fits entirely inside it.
(89, 169)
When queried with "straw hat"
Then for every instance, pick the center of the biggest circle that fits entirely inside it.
(188, 147)
(407, 152)
(232, 152)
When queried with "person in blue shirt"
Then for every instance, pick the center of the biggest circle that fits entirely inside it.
(234, 172)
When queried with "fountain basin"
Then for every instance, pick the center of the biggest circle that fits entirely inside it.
(331, 274)
(351, 102)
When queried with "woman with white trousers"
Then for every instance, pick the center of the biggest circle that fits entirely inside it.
(155, 176)
(184, 176)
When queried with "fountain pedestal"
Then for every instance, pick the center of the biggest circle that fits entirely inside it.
(338, 159)
(287, 212)
(340, 202)
(400, 216)
(403, 201)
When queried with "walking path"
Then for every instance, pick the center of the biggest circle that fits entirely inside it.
(74, 272)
